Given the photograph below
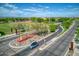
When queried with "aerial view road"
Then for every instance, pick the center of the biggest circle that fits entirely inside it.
(6, 49)
(28, 51)
(42, 29)
(60, 47)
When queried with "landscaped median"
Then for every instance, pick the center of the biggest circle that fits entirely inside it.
(14, 45)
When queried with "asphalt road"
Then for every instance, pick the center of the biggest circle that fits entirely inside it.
(2, 39)
(60, 47)
(28, 50)
(6, 50)
(4, 47)
(8, 38)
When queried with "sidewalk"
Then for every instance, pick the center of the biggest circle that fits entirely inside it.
(6, 37)
(76, 50)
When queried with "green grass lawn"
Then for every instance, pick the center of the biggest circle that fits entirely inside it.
(5, 28)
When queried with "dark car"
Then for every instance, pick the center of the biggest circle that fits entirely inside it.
(34, 45)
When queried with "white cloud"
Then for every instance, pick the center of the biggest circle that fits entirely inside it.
(70, 6)
(40, 5)
(60, 9)
(29, 9)
(15, 11)
(75, 9)
(10, 6)
(4, 10)
(10, 12)
(24, 12)
(47, 7)
(33, 9)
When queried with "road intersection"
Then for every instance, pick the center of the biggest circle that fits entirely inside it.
(55, 49)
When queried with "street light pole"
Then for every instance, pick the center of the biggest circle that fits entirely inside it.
(44, 41)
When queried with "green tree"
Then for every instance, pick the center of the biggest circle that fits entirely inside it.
(2, 33)
(52, 27)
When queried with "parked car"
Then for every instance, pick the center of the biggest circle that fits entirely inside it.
(34, 45)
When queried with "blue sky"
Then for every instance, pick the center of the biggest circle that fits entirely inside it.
(39, 10)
